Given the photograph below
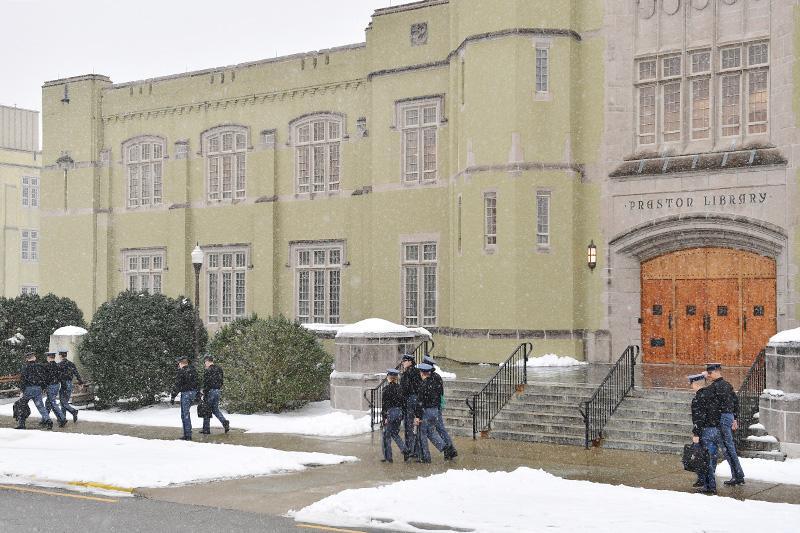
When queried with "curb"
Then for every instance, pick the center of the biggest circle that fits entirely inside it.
(104, 486)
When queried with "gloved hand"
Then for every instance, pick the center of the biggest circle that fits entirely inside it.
(172, 400)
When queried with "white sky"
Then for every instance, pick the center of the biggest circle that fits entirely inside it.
(49, 39)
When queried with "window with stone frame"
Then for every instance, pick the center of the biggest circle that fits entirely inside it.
(29, 245)
(420, 297)
(419, 125)
(144, 166)
(489, 220)
(226, 283)
(143, 270)
(318, 281)
(542, 68)
(543, 218)
(318, 149)
(29, 290)
(226, 162)
(30, 191)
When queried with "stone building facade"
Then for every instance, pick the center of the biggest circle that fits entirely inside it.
(453, 172)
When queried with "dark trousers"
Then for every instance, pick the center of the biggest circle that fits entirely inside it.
(411, 406)
(440, 429)
(725, 423)
(391, 432)
(712, 440)
(428, 432)
(212, 399)
(35, 393)
(187, 399)
(53, 392)
(64, 395)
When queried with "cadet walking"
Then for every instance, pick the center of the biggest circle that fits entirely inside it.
(212, 383)
(32, 380)
(67, 371)
(705, 429)
(391, 416)
(53, 375)
(409, 383)
(729, 408)
(427, 411)
(186, 386)
(450, 451)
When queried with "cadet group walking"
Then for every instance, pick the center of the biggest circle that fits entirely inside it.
(186, 384)
(417, 401)
(50, 381)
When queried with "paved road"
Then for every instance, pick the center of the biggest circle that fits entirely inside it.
(26, 509)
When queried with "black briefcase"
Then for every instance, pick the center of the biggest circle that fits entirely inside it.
(695, 458)
(21, 410)
(203, 409)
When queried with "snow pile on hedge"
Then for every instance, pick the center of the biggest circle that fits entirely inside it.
(552, 360)
(70, 330)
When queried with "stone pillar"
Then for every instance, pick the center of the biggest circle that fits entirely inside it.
(779, 406)
(69, 338)
(364, 351)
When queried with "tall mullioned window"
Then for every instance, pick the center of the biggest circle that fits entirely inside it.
(419, 283)
(318, 148)
(29, 290)
(490, 219)
(318, 282)
(30, 191)
(29, 241)
(226, 278)
(226, 162)
(144, 163)
(144, 270)
(419, 124)
(543, 218)
(542, 69)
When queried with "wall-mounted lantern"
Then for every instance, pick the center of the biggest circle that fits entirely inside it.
(591, 255)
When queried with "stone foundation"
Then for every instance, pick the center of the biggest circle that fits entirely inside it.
(779, 406)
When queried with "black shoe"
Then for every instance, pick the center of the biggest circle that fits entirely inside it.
(732, 482)
(406, 457)
(386, 461)
(75, 416)
(204, 432)
(20, 426)
(48, 424)
(424, 460)
(185, 438)
(226, 425)
(698, 484)
(708, 492)
(62, 423)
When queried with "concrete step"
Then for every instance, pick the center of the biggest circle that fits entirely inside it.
(644, 445)
(546, 397)
(535, 427)
(655, 426)
(626, 434)
(758, 446)
(671, 394)
(552, 438)
(516, 416)
(626, 413)
(769, 455)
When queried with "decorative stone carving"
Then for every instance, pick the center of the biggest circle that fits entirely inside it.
(671, 6)
(419, 33)
(729, 2)
(647, 8)
(700, 4)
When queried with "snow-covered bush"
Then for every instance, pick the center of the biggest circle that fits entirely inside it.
(30, 319)
(270, 364)
(132, 344)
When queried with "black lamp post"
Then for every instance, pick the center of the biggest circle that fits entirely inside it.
(197, 262)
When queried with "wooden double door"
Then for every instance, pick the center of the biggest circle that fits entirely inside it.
(707, 304)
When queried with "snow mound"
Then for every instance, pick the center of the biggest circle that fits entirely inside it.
(774, 392)
(534, 501)
(551, 360)
(378, 327)
(787, 471)
(444, 374)
(132, 462)
(326, 328)
(786, 336)
(70, 330)
(757, 426)
(763, 438)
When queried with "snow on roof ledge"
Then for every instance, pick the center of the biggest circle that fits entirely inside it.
(788, 336)
(70, 330)
(380, 328)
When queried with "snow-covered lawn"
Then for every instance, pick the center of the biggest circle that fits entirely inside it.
(317, 419)
(551, 360)
(533, 501)
(132, 462)
(765, 470)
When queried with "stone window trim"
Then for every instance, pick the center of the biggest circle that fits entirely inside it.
(220, 306)
(182, 149)
(542, 88)
(396, 117)
(309, 178)
(317, 270)
(489, 212)
(105, 158)
(153, 163)
(143, 269)
(268, 138)
(222, 160)
(29, 290)
(543, 228)
(417, 137)
(290, 140)
(424, 269)
(29, 245)
(30, 191)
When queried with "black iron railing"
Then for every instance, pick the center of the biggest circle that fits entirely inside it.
(509, 380)
(374, 396)
(753, 385)
(609, 394)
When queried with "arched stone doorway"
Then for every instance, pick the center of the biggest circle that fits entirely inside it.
(704, 304)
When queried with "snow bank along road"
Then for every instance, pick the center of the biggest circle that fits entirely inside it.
(132, 462)
(535, 501)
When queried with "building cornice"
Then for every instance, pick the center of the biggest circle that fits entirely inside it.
(73, 79)
(408, 7)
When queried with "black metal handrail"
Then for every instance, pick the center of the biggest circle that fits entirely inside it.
(752, 386)
(609, 394)
(509, 379)
(374, 396)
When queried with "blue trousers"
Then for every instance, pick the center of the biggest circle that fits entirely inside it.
(53, 392)
(712, 440)
(411, 406)
(442, 431)
(35, 393)
(428, 431)
(187, 399)
(64, 396)
(725, 423)
(212, 399)
(391, 432)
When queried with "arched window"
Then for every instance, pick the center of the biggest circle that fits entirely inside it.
(144, 164)
(226, 162)
(317, 141)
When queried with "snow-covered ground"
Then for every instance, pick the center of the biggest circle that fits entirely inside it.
(765, 470)
(315, 419)
(533, 501)
(132, 462)
(551, 360)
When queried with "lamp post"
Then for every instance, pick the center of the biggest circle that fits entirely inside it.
(197, 262)
(65, 162)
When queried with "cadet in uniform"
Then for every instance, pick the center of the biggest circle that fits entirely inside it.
(392, 415)
(449, 450)
(705, 429)
(212, 383)
(729, 406)
(68, 370)
(186, 386)
(32, 379)
(428, 401)
(697, 382)
(53, 376)
(409, 383)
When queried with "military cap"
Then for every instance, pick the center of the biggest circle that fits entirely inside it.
(392, 372)
(696, 377)
(424, 367)
(62, 352)
(429, 360)
(208, 357)
(30, 355)
(50, 354)
(181, 358)
(710, 367)
(408, 357)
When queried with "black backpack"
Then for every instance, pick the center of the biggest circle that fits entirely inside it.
(695, 458)
(21, 410)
